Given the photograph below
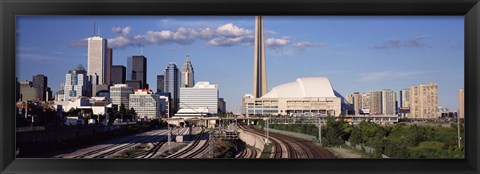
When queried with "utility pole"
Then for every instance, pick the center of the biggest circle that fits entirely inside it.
(169, 137)
(320, 130)
(458, 131)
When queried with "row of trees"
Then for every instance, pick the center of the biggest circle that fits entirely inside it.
(396, 141)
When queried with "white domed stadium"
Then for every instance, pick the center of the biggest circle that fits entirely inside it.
(303, 88)
(304, 95)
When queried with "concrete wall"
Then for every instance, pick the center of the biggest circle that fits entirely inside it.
(252, 139)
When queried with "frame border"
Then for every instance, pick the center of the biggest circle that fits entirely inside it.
(470, 9)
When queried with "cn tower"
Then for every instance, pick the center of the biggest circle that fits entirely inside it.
(259, 70)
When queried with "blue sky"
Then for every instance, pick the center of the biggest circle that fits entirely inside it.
(357, 53)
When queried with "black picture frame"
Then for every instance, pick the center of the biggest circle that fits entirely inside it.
(470, 9)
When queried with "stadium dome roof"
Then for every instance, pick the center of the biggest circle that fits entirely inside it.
(303, 88)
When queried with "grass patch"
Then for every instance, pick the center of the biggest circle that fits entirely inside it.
(132, 151)
(267, 151)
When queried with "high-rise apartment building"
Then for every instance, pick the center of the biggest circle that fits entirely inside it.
(119, 94)
(376, 102)
(146, 104)
(172, 86)
(187, 74)
(360, 101)
(389, 102)
(40, 82)
(118, 74)
(160, 84)
(461, 103)
(365, 101)
(349, 98)
(97, 59)
(404, 107)
(379, 102)
(76, 83)
(137, 69)
(424, 101)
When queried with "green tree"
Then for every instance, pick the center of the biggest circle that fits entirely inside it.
(356, 136)
(132, 114)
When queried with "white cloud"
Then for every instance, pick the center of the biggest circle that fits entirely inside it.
(224, 35)
(378, 76)
(232, 30)
(122, 31)
(416, 42)
(303, 45)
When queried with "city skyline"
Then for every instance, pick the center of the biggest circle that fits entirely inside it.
(387, 58)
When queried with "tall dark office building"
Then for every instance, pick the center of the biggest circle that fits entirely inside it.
(40, 82)
(172, 85)
(109, 66)
(160, 84)
(137, 69)
(118, 74)
(135, 84)
(49, 94)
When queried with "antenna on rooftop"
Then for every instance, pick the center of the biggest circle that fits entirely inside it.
(94, 28)
(141, 50)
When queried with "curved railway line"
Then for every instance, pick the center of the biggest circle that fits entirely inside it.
(189, 151)
(248, 152)
(294, 147)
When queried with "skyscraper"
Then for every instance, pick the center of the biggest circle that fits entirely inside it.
(405, 101)
(76, 83)
(202, 95)
(118, 74)
(97, 59)
(40, 82)
(259, 64)
(187, 74)
(120, 93)
(137, 69)
(376, 102)
(172, 85)
(461, 103)
(389, 99)
(356, 100)
(160, 84)
(424, 101)
(109, 66)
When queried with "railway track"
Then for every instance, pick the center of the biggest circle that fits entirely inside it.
(277, 146)
(190, 148)
(295, 147)
(133, 144)
(197, 153)
(248, 152)
(118, 144)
